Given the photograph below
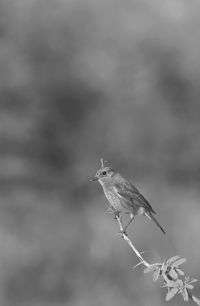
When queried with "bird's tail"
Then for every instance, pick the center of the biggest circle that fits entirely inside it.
(151, 216)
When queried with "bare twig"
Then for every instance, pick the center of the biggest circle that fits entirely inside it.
(103, 161)
(126, 238)
(194, 298)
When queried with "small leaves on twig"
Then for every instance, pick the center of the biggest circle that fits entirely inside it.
(178, 262)
(188, 282)
(171, 293)
(172, 259)
(180, 287)
(152, 267)
(170, 272)
(156, 269)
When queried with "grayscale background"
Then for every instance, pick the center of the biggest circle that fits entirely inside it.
(81, 80)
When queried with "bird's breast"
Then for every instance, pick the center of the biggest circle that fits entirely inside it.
(122, 203)
(113, 198)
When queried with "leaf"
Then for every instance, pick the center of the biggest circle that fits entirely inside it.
(156, 274)
(179, 271)
(193, 280)
(172, 259)
(169, 283)
(164, 267)
(187, 279)
(179, 284)
(184, 294)
(151, 268)
(171, 294)
(189, 286)
(188, 282)
(178, 262)
(173, 274)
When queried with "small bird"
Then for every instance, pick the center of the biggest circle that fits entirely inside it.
(123, 196)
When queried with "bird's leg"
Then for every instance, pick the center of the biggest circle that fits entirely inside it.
(118, 218)
(116, 214)
(112, 211)
(129, 222)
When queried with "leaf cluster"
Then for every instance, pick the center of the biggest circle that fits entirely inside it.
(171, 273)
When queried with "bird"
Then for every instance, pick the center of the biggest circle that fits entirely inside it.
(123, 196)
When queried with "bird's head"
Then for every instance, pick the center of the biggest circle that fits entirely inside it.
(104, 175)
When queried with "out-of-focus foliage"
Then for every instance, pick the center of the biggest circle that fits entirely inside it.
(81, 80)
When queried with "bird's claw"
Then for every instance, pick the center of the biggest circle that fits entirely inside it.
(122, 232)
(116, 215)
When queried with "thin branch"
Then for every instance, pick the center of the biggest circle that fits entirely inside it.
(126, 238)
(162, 269)
(103, 161)
(194, 298)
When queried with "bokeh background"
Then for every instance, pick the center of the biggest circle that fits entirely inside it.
(81, 80)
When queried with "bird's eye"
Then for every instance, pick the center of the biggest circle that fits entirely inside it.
(104, 172)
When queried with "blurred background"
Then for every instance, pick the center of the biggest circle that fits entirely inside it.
(81, 80)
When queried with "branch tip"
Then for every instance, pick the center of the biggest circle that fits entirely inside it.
(103, 161)
(169, 270)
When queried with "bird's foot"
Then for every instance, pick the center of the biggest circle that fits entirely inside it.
(122, 233)
(116, 215)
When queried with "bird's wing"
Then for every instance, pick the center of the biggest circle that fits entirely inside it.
(131, 194)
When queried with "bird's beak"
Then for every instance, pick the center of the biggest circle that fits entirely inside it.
(95, 178)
